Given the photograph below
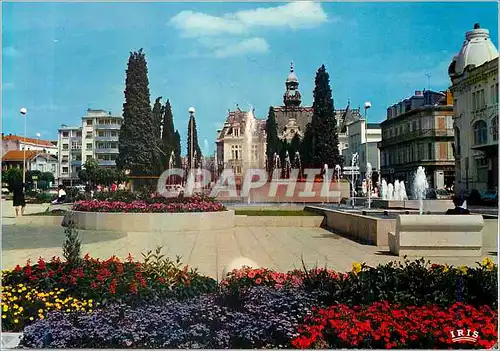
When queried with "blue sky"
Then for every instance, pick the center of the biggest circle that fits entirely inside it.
(60, 59)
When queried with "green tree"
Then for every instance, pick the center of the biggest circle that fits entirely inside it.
(295, 145)
(12, 177)
(72, 246)
(273, 142)
(177, 149)
(32, 176)
(196, 146)
(168, 135)
(47, 177)
(157, 117)
(324, 147)
(89, 172)
(138, 146)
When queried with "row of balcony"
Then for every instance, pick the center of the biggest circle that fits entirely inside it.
(108, 126)
(416, 134)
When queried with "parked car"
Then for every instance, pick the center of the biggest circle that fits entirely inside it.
(443, 194)
(5, 191)
(489, 196)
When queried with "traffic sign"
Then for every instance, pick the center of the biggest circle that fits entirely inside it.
(351, 168)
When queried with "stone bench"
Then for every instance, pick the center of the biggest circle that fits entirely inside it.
(437, 235)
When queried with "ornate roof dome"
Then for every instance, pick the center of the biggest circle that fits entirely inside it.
(476, 50)
(292, 77)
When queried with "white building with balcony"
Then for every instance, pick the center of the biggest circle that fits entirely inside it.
(474, 76)
(359, 133)
(96, 138)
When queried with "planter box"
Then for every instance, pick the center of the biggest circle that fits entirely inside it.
(152, 222)
(39, 221)
(437, 235)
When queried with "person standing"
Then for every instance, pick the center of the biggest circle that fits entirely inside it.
(18, 198)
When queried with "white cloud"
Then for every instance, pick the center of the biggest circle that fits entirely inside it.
(295, 15)
(10, 51)
(246, 46)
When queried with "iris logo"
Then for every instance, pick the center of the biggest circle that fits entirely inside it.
(464, 335)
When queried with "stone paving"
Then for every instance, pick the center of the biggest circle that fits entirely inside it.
(280, 248)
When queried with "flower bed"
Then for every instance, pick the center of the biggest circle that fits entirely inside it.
(145, 207)
(156, 304)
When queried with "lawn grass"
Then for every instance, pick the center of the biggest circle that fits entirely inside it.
(274, 213)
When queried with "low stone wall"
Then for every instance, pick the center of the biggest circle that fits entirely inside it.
(278, 221)
(490, 233)
(429, 205)
(437, 235)
(364, 229)
(39, 221)
(152, 222)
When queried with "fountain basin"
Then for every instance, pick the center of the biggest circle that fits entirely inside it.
(429, 205)
(437, 235)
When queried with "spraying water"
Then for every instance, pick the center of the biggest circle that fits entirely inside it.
(383, 190)
(402, 189)
(288, 165)
(250, 126)
(206, 148)
(298, 163)
(420, 187)
(390, 192)
(397, 190)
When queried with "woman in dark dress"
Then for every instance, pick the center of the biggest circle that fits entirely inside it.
(19, 200)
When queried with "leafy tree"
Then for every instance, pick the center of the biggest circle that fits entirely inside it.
(168, 135)
(323, 141)
(47, 177)
(157, 117)
(138, 146)
(295, 145)
(196, 146)
(72, 251)
(12, 177)
(31, 177)
(177, 149)
(273, 142)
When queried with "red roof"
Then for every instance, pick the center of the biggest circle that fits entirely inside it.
(18, 155)
(28, 140)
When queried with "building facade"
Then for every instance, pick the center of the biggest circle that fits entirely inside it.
(35, 161)
(15, 142)
(358, 133)
(96, 138)
(474, 76)
(418, 131)
(231, 144)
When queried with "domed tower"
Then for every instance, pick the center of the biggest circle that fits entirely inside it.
(476, 50)
(292, 97)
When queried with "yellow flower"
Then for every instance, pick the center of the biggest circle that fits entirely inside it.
(20, 285)
(356, 267)
(21, 309)
(463, 269)
(488, 263)
(68, 310)
(40, 311)
(51, 293)
(40, 316)
(16, 320)
(31, 318)
(24, 288)
(445, 268)
(5, 308)
(4, 316)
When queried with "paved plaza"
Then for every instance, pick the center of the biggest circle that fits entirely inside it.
(280, 248)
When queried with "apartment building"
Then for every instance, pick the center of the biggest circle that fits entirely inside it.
(418, 131)
(96, 138)
(359, 133)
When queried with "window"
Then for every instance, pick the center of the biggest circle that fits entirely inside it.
(494, 127)
(443, 151)
(65, 170)
(65, 158)
(480, 133)
(89, 146)
(494, 93)
(88, 135)
(414, 125)
(89, 122)
(78, 134)
(65, 146)
(53, 168)
(429, 151)
(441, 123)
(65, 134)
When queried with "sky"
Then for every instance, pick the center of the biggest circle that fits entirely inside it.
(59, 59)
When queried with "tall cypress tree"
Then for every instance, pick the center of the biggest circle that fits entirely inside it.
(271, 138)
(196, 146)
(137, 148)
(325, 143)
(177, 149)
(295, 146)
(157, 117)
(168, 135)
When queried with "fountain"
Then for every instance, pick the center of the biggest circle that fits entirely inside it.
(325, 178)
(397, 186)
(250, 126)
(369, 171)
(276, 162)
(287, 166)
(297, 163)
(383, 190)
(420, 187)
(390, 192)
(338, 169)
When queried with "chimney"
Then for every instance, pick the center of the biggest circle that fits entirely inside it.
(418, 93)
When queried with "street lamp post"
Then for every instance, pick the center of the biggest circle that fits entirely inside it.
(23, 111)
(368, 181)
(191, 141)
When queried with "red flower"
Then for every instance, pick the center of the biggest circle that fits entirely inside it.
(258, 281)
